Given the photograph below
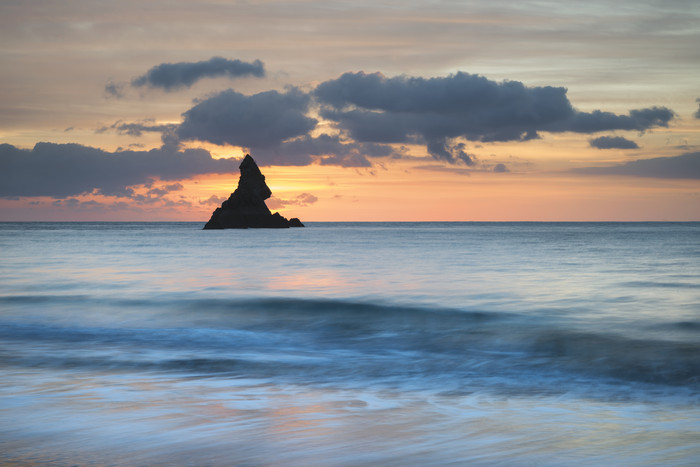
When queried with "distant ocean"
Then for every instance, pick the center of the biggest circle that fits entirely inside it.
(345, 344)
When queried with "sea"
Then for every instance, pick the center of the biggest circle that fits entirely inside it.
(350, 344)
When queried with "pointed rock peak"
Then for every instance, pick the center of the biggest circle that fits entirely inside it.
(246, 207)
(252, 180)
(248, 165)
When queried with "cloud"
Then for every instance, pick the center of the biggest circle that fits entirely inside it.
(683, 166)
(596, 121)
(329, 149)
(304, 199)
(275, 128)
(612, 142)
(138, 202)
(697, 114)
(164, 190)
(435, 111)
(173, 76)
(137, 128)
(261, 120)
(75, 204)
(445, 169)
(371, 113)
(500, 168)
(64, 170)
(440, 150)
(213, 200)
(115, 90)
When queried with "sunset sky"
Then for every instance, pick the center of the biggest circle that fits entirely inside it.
(354, 110)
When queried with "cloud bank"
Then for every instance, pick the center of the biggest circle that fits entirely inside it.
(173, 76)
(684, 166)
(435, 111)
(612, 142)
(369, 116)
(260, 120)
(274, 127)
(371, 112)
(63, 170)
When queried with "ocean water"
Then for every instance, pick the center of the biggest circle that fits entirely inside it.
(350, 344)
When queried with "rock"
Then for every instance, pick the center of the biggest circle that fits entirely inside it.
(246, 207)
(295, 222)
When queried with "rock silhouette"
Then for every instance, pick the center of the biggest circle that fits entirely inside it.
(246, 207)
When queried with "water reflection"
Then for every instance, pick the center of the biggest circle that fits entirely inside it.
(109, 418)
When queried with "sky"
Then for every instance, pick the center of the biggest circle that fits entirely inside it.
(354, 110)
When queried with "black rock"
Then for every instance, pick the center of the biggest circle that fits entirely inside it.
(246, 207)
(295, 222)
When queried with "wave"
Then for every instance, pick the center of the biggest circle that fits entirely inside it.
(335, 341)
(664, 285)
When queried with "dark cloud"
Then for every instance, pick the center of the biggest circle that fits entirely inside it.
(683, 166)
(137, 128)
(347, 160)
(441, 150)
(261, 120)
(330, 149)
(173, 76)
(475, 167)
(115, 90)
(75, 204)
(434, 111)
(78, 205)
(612, 142)
(372, 113)
(596, 121)
(697, 114)
(165, 189)
(64, 170)
(275, 128)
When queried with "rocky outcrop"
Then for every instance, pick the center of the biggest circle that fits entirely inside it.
(246, 207)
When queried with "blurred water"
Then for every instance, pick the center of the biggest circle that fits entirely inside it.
(350, 343)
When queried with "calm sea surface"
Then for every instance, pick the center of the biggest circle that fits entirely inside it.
(350, 344)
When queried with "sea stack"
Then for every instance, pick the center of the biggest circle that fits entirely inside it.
(246, 207)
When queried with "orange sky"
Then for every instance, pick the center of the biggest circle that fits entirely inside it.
(70, 76)
(400, 192)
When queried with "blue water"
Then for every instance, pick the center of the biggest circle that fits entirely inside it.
(350, 344)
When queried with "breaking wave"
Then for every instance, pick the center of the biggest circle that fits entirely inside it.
(349, 343)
